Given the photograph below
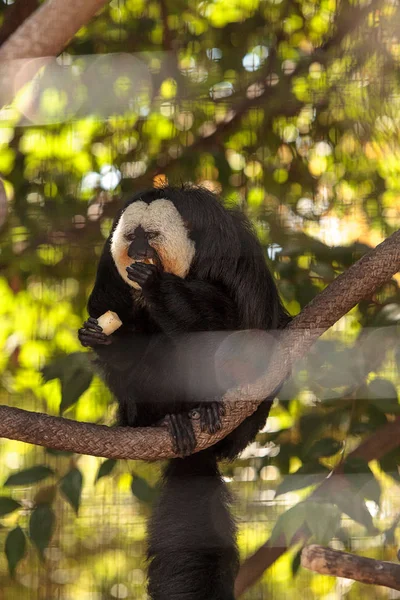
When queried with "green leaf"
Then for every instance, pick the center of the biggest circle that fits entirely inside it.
(61, 364)
(28, 476)
(289, 523)
(325, 447)
(296, 563)
(71, 487)
(105, 468)
(383, 395)
(15, 548)
(323, 520)
(41, 527)
(142, 490)
(362, 478)
(308, 474)
(8, 505)
(351, 503)
(73, 385)
(75, 374)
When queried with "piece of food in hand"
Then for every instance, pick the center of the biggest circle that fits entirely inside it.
(109, 322)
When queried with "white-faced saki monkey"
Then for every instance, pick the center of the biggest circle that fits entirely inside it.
(177, 262)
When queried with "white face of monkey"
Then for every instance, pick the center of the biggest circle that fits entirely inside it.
(169, 237)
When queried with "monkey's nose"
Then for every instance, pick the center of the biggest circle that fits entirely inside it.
(137, 250)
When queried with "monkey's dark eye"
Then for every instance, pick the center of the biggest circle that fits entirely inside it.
(130, 237)
(152, 234)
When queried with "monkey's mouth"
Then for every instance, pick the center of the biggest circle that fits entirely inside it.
(146, 261)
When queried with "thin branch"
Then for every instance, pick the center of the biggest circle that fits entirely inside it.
(382, 441)
(167, 37)
(359, 281)
(342, 564)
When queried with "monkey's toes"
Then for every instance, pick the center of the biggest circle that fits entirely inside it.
(181, 431)
(211, 415)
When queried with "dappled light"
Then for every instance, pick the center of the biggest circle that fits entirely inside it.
(291, 112)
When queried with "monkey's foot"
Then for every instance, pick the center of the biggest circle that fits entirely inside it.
(91, 334)
(181, 431)
(211, 414)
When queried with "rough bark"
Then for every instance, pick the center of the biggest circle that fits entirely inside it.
(342, 564)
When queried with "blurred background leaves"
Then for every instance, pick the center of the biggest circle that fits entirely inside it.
(291, 111)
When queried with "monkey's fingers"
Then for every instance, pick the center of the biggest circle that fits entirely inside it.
(136, 275)
(92, 323)
(181, 431)
(93, 338)
(141, 272)
(211, 414)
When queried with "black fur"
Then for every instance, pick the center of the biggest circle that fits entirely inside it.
(192, 547)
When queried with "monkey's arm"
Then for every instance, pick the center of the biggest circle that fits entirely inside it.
(182, 305)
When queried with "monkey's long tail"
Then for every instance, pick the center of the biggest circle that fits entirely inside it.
(192, 549)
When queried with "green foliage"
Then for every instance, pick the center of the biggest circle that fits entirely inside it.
(41, 527)
(15, 548)
(308, 474)
(141, 489)
(106, 468)
(71, 487)
(296, 563)
(322, 448)
(291, 110)
(8, 505)
(351, 502)
(75, 374)
(322, 519)
(29, 476)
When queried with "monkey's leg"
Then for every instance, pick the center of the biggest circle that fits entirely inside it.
(181, 431)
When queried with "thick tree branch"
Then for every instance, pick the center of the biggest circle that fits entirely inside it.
(342, 564)
(44, 34)
(365, 276)
(49, 29)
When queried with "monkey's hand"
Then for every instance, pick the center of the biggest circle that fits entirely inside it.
(210, 415)
(91, 334)
(145, 275)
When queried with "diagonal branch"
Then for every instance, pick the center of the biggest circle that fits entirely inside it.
(44, 34)
(49, 29)
(15, 15)
(365, 276)
(327, 561)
